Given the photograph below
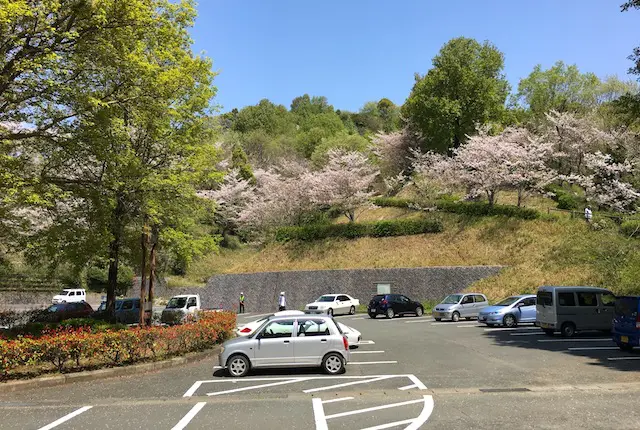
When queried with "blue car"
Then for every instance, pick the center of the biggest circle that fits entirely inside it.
(626, 322)
(510, 312)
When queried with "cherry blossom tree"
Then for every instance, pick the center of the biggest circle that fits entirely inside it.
(394, 150)
(346, 182)
(433, 174)
(573, 137)
(231, 198)
(604, 185)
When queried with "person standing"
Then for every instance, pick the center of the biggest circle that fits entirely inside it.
(588, 214)
(282, 302)
(241, 309)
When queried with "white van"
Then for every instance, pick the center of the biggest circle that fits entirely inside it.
(70, 295)
(571, 309)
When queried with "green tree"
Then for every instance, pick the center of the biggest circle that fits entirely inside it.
(465, 87)
(273, 119)
(561, 88)
(139, 144)
(306, 105)
(346, 142)
(240, 162)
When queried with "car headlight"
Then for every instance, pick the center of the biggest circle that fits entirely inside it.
(221, 349)
(494, 313)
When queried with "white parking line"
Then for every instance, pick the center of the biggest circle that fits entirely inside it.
(604, 339)
(594, 348)
(367, 352)
(341, 399)
(389, 425)
(346, 384)
(318, 413)
(374, 408)
(408, 387)
(190, 415)
(623, 358)
(366, 342)
(67, 417)
(420, 321)
(358, 318)
(451, 323)
(372, 362)
(253, 387)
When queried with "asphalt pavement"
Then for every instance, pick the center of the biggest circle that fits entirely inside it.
(407, 373)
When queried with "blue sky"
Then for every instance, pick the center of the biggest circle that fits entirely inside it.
(354, 51)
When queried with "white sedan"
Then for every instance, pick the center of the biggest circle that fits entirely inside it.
(353, 335)
(333, 304)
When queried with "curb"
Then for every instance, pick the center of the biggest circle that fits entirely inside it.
(93, 375)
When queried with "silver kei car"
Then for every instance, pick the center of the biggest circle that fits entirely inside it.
(288, 341)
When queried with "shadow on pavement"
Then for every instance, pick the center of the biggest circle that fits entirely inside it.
(591, 344)
(293, 372)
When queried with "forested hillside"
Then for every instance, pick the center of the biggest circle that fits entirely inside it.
(114, 164)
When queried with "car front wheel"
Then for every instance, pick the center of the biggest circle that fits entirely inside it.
(352, 310)
(455, 317)
(333, 363)
(238, 366)
(568, 329)
(509, 321)
(419, 311)
(390, 313)
(330, 312)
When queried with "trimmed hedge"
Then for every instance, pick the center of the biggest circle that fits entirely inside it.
(66, 347)
(483, 209)
(463, 208)
(354, 230)
(392, 202)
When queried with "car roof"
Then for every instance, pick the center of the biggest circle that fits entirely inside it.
(524, 295)
(311, 316)
(185, 295)
(576, 288)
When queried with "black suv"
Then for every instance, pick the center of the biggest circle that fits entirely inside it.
(391, 305)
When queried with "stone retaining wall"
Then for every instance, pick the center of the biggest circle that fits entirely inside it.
(301, 287)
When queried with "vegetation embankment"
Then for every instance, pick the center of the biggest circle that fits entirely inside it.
(74, 347)
(552, 250)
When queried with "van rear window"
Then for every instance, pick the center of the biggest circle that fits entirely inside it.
(627, 306)
(545, 298)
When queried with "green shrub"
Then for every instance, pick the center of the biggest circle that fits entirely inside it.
(392, 202)
(354, 230)
(630, 228)
(567, 201)
(484, 209)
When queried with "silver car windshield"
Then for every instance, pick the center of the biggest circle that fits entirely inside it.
(508, 301)
(452, 299)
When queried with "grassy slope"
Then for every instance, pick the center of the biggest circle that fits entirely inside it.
(559, 252)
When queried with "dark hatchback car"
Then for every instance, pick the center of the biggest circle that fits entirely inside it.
(626, 322)
(391, 305)
(65, 311)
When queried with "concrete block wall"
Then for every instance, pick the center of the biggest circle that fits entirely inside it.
(301, 287)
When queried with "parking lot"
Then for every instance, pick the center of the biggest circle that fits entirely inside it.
(407, 373)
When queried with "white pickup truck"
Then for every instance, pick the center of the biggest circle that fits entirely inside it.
(182, 308)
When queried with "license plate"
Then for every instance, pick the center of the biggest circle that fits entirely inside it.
(624, 339)
(545, 325)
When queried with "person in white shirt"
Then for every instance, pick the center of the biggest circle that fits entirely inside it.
(587, 214)
(282, 302)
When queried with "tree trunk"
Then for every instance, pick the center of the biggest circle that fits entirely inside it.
(117, 231)
(152, 268)
(491, 197)
(350, 214)
(144, 244)
(520, 196)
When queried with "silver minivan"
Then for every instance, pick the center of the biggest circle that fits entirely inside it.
(288, 341)
(571, 309)
(463, 305)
